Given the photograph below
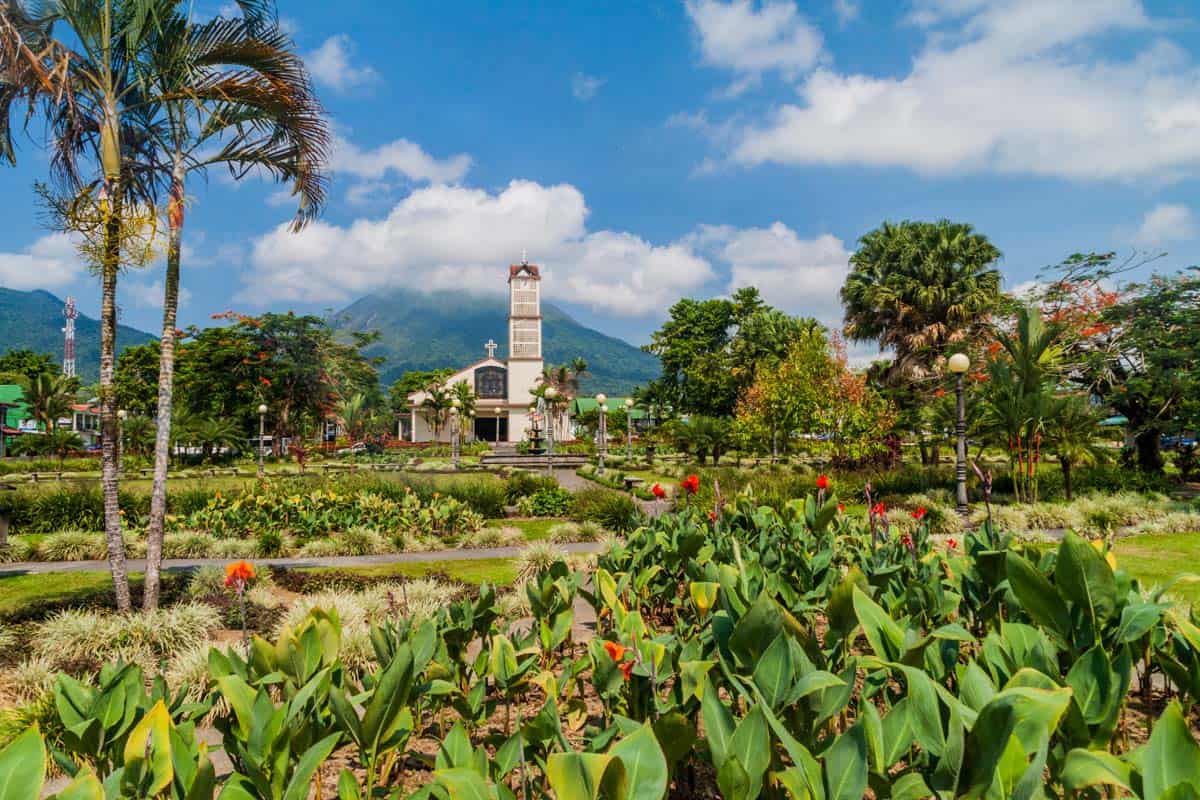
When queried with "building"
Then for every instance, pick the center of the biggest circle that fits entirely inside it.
(502, 387)
(15, 417)
(85, 421)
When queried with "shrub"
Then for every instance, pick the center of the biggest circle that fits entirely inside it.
(72, 546)
(188, 545)
(538, 557)
(485, 496)
(17, 550)
(586, 531)
(238, 548)
(360, 541)
(546, 502)
(270, 543)
(1173, 522)
(83, 640)
(29, 680)
(522, 483)
(615, 511)
(493, 537)
(319, 548)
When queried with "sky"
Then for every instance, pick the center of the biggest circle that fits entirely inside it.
(643, 152)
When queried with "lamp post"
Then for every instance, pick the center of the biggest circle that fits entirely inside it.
(602, 444)
(548, 403)
(121, 415)
(455, 405)
(4, 407)
(629, 428)
(498, 411)
(959, 363)
(262, 432)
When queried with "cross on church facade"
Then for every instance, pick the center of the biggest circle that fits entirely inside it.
(491, 348)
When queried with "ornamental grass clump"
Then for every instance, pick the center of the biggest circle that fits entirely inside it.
(27, 680)
(188, 544)
(83, 640)
(538, 557)
(72, 546)
(506, 536)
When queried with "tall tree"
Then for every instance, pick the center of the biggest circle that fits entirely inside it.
(918, 288)
(70, 64)
(50, 397)
(234, 93)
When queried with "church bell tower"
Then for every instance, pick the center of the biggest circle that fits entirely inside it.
(524, 330)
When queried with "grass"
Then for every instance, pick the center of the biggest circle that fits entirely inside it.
(534, 529)
(500, 571)
(1156, 559)
(19, 592)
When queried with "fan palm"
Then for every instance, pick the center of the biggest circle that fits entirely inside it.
(1073, 435)
(354, 414)
(137, 434)
(214, 434)
(50, 397)
(917, 287)
(435, 408)
(232, 92)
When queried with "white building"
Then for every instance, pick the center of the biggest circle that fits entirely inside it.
(502, 388)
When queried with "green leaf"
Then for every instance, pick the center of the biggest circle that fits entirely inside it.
(1085, 578)
(751, 745)
(846, 765)
(756, 630)
(733, 782)
(1037, 595)
(910, 787)
(1092, 679)
(773, 673)
(298, 786)
(1170, 757)
(840, 608)
(463, 783)
(85, 786)
(583, 776)
(1137, 619)
(644, 763)
(348, 786)
(718, 725)
(924, 710)
(23, 767)
(1084, 768)
(1025, 714)
(151, 736)
(885, 636)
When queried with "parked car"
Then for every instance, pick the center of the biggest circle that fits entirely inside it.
(1176, 442)
(357, 448)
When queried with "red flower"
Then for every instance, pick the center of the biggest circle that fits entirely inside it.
(906, 540)
(878, 509)
(822, 481)
(691, 484)
(841, 508)
(952, 543)
(658, 491)
(712, 516)
(626, 668)
(919, 514)
(615, 651)
(238, 574)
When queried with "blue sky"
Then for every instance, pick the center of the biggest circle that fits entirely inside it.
(645, 151)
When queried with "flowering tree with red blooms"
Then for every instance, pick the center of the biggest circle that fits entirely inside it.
(1136, 345)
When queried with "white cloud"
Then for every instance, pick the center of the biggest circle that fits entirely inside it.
(1013, 87)
(331, 64)
(846, 10)
(584, 87)
(751, 37)
(150, 295)
(800, 276)
(1167, 222)
(456, 237)
(400, 158)
(51, 261)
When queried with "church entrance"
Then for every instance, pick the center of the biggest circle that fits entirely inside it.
(491, 429)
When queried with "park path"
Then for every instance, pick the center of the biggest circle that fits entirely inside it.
(178, 564)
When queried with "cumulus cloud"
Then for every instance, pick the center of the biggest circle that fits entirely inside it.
(51, 261)
(751, 37)
(584, 87)
(332, 64)
(1014, 86)
(1166, 222)
(150, 295)
(801, 276)
(846, 10)
(444, 236)
(399, 158)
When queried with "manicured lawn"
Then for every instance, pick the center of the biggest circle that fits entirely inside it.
(534, 529)
(1157, 558)
(18, 592)
(499, 571)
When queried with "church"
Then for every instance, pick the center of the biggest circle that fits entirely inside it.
(502, 388)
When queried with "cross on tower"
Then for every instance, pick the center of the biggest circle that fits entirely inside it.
(491, 348)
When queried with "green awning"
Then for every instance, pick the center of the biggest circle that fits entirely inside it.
(582, 405)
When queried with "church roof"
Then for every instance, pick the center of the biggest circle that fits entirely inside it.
(461, 376)
(516, 269)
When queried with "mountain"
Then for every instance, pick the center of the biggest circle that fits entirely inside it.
(423, 331)
(34, 321)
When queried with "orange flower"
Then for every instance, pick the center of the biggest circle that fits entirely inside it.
(658, 491)
(691, 484)
(822, 482)
(626, 668)
(919, 514)
(841, 508)
(238, 573)
(952, 543)
(712, 516)
(615, 651)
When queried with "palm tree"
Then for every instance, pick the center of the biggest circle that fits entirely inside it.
(215, 434)
(918, 287)
(82, 85)
(50, 397)
(62, 442)
(1073, 435)
(232, 92)
(435, 408)
(353, 414)
(137, 434)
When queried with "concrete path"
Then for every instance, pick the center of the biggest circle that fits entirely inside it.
(185, 564)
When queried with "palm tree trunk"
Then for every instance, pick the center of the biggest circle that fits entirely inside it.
(108, 409)
(1066, 471)
(166, 384)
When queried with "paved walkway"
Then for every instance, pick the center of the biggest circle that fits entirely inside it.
(184, 564)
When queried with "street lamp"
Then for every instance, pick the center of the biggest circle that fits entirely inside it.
(959, 363)
(4, 407)
(121, 415)
(550, 394)
(628, 428)
(262, 432)
(497, 411)
(455, 405)
(602, 444)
